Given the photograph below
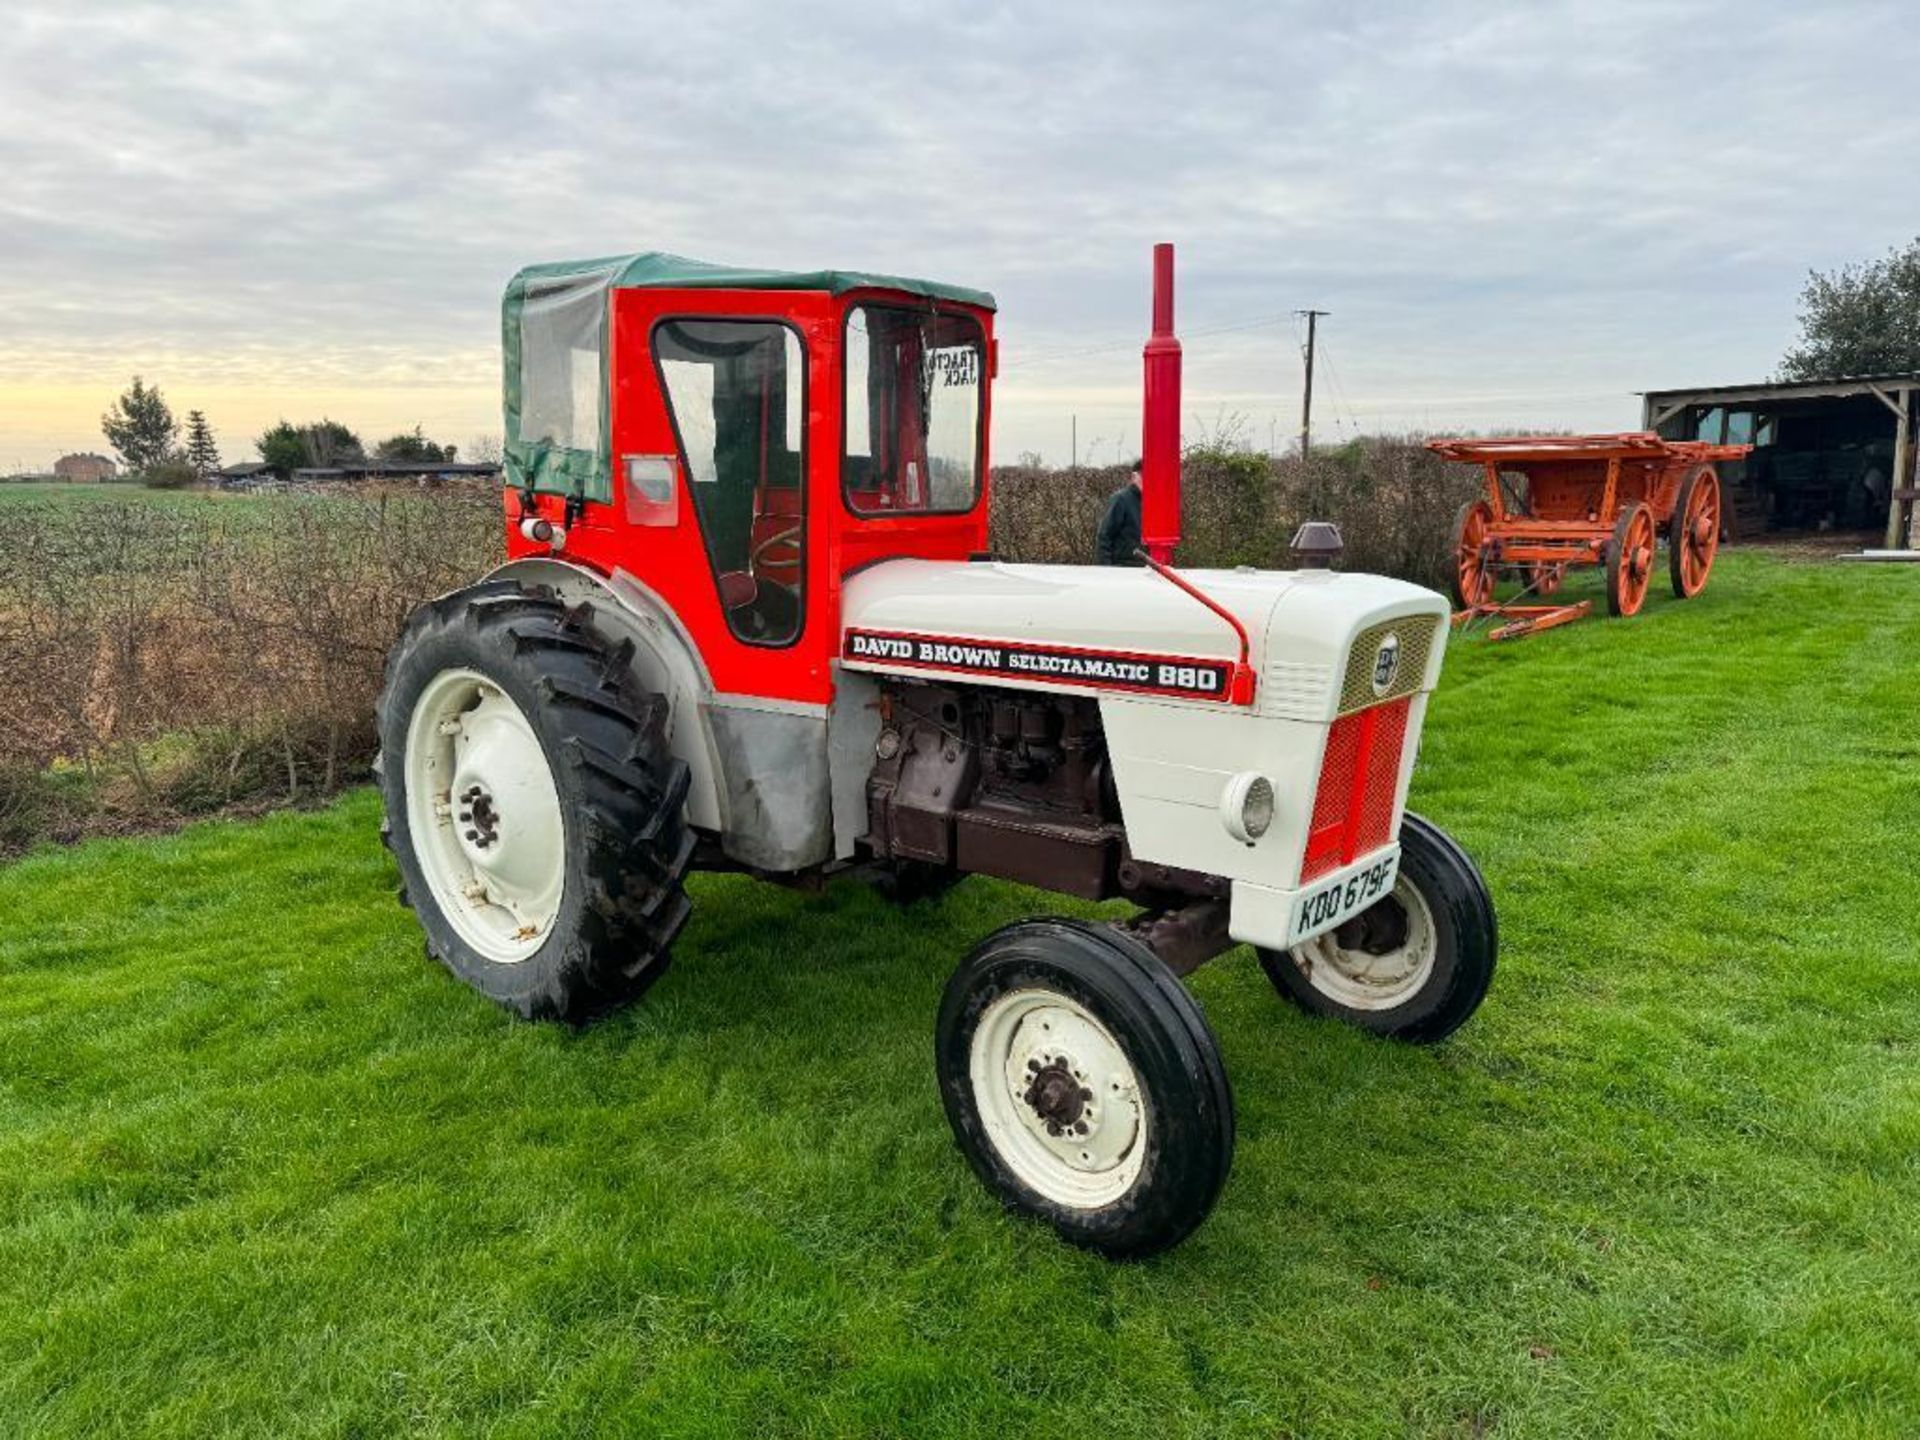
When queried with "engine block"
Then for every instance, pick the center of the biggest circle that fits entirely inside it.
(1012, 783)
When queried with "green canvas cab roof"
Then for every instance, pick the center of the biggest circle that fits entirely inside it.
(658, 270)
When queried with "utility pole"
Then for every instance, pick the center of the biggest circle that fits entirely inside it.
(1076, 443)
(1306, 400)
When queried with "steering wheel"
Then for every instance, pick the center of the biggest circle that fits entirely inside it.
(789, 537)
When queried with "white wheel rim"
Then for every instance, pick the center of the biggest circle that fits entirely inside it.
(1030, 1048)
(1361, 980)
(484, 816)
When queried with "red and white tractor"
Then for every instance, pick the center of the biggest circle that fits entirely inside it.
(749, 622)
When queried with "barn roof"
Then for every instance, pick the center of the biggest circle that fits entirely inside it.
(1833, 387)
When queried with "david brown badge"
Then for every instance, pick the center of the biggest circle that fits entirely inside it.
(1386, 664)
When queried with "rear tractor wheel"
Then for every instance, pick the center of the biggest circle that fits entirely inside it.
(1413, 967)
(533, 807)
(1085, 1086)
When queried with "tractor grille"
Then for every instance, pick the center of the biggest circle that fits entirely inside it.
(1353, 808)
(1416, 634)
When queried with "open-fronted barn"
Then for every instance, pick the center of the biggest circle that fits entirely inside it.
(1828, 454)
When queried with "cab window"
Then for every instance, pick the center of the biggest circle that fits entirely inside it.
(736, 393)
(914, 380)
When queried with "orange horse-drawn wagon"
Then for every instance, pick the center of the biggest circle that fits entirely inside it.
(1588, 500)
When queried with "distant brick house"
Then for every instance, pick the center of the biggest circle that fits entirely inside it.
(83, 469)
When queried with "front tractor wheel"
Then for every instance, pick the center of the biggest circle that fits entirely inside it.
(1085, 1086)
(1413, 967)
(533, 807)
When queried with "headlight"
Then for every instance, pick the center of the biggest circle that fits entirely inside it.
(1246, 806)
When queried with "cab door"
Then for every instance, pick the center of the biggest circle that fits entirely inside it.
(718, 401)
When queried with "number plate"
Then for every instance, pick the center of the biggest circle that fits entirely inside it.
(1322, 908)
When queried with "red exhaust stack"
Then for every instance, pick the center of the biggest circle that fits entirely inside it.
(1160, 431)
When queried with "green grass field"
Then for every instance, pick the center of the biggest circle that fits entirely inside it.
(264, 1170)
(44, 492)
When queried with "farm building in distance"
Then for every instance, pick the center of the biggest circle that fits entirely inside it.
(1828, 454)
(83, 469)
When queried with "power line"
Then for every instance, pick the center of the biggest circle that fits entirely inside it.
(1339, 391)
(1048, 356)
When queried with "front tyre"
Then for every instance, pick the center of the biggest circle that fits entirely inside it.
(1415, 966)
(533, 807)
(1084, 1085)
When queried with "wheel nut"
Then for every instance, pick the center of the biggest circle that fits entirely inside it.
(473, 834)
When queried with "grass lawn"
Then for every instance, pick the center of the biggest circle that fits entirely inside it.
(263, 1170)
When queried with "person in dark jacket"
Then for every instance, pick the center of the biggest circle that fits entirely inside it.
(1120, 525)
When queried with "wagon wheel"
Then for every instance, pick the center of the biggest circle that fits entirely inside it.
(1472, 571)
(1630, 560)
(1543, 579)
(1694, 536)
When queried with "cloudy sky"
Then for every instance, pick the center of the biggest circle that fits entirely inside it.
(1518, 215)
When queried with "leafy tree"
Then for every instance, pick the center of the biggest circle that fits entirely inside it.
(413, 448)
(1861, 319)
(287, 448)
(283, 449)
(140, 426)
(331, 443)
(202, 453)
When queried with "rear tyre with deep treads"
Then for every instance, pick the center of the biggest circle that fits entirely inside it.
(1085, 1086)
(534, 808)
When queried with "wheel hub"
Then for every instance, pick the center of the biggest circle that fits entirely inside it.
(1378, 959)
(1057, 1096)
(1379, 930)
(480, 818)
